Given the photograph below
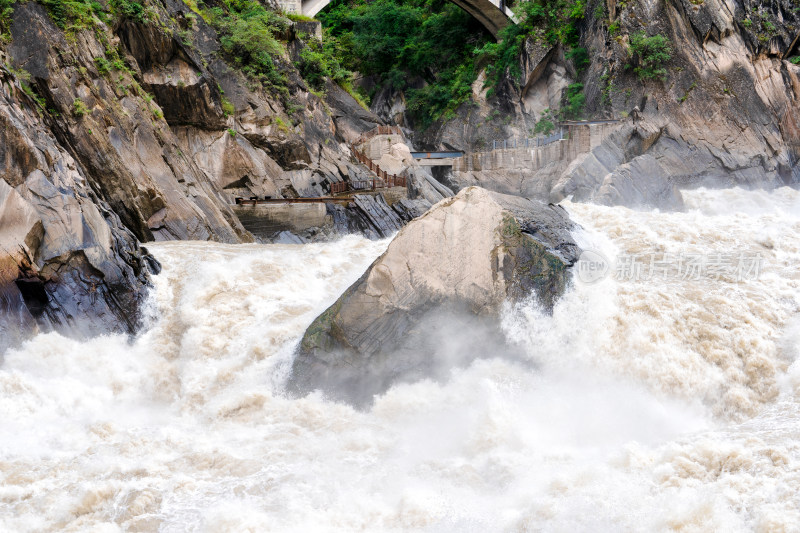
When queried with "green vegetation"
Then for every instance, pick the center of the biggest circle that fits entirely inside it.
(79, 109)
(573, 108)
(227, 107)
(103, 65)
(432, 51)
(795, 60)
(424, 48)
(580, 58)
(73, 15)
(683, 98)
(30, 91)
(319, 61)
(281, 124)
(247, 34)
(551, 21)
(5, 19)
(232, 132)
(297, 17)
(131, 10)
(545, 123)
(608, 88)
(649, 55)
(24, 78)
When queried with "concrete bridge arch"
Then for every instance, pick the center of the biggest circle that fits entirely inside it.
(493, 14)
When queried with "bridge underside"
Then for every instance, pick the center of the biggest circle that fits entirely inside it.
(493, 14)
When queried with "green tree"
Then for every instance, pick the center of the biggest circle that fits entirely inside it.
(649, 55)
(551, 21)
(575, 99)
(422, 47)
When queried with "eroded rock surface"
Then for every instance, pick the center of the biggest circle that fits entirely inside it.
(447, 272)
(67, 263)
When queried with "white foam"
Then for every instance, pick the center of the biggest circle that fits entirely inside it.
(640, 406)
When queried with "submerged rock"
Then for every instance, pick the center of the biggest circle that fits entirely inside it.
(445, 274)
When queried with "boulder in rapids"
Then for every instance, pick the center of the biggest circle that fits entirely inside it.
(439, 286)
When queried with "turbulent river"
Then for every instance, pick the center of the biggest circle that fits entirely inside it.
(655, 399)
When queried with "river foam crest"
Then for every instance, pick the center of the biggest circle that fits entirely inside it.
(642, 405)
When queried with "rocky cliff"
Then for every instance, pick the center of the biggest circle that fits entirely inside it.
(67, 262)
(131, 122)
(723, 112)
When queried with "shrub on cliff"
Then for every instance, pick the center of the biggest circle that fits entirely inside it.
(554, 21)
(247, 35)
(575, 99)
(5, 18)
(649, 55)
(320, 60)
(130, 9)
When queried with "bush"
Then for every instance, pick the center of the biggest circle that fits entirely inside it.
(129, 9)
(555, 21)
(5, 18)
(649, 55)
(575, 99)
(75, 14)
(227, 107)
(247, 35)
(102, 64)
(422, 47)
(544, 126)
(79, 109)
(579, 57)
(319, 61)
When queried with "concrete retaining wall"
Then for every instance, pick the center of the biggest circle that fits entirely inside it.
(581, 140)
(265, 221)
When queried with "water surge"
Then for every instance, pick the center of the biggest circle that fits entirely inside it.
(671, 402)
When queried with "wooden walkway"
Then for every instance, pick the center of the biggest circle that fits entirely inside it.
(343, 191)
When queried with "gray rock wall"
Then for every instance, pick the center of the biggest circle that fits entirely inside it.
(67, 263)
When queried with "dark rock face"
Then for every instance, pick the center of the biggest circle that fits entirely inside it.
(66, 261)
(448, 270)
(371, 216)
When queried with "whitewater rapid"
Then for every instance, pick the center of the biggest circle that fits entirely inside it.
(645, 405)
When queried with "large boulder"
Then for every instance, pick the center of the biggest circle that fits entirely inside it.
(440, 284)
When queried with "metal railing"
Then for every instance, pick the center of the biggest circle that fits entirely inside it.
(382, 180)
(379, 130)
